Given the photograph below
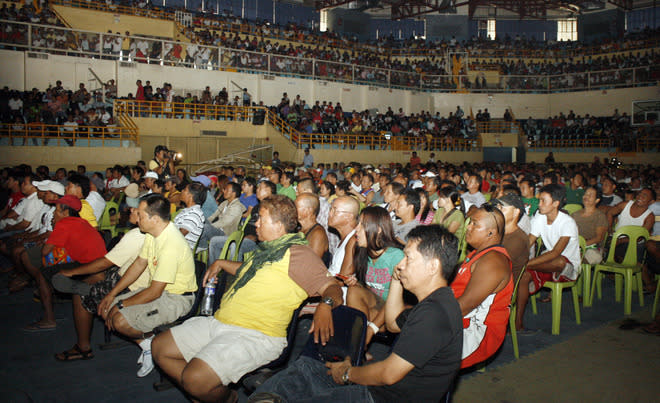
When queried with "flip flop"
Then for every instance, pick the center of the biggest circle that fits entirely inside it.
(38, 327)
(74, 354)
(652, 328)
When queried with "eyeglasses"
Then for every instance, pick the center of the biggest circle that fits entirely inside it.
(338, 211)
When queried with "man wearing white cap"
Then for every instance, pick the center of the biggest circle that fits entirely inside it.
(26, 211)
(149, 180)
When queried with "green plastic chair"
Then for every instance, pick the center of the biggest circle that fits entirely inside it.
(557, 289)
(657, 296)
(512, 314)
(629, 269)
(572, 208)
(235, 237)
(487, 196)
(585, 277)
(462, 243)
(107, 223)
(245, 223)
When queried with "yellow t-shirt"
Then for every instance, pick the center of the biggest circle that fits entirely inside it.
(170, 260)
(87, 213)
(125, 253)
(268, 300)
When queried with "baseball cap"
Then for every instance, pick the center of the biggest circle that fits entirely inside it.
(71, 201)
(151, 174)
(203, 179)
(47, 185)
(429, 174)
(132, 190)
(513, 200)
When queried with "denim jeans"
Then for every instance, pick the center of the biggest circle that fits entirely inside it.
(306, 381)
(218, 242)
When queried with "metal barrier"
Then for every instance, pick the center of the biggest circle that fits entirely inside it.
(18, 134)
(136, 49)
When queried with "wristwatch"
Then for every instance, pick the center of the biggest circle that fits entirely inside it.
(120, 304)
(344, 378)
(329, 301)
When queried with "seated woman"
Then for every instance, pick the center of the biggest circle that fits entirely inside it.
(483, 287)
(376, 255)
(592, 224)
(327, 192)
(426, 213)
(449, 213)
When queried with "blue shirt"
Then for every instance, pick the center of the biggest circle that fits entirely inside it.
(249, 201)
(210, 205)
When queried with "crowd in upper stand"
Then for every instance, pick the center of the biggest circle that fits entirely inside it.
(213, 30)
(311, 230)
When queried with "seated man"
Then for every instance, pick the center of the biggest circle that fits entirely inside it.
(406, 209)
(230, 211)
(307, 206)
(426, 356)
(170, 291)
(515, 240)
(80, 186)
(72, 242)
(343, 218)
(190, 220)
(27, 211)
(205, 354)
(483, 287)
(559, 233)
(90, 283)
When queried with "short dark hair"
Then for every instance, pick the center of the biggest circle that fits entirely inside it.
(396, 188)
(288, 175)
(70, 210)
(158, 205)
(283, 210)
(344, 185)
(557, 193)
(412, 197)
(251, 182)
(198, 192)
(271, 185)
(436, 242)
(82, 182)
(235, 187)
(17, 174)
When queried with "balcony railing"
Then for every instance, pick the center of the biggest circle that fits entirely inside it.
(64, 41)
(350, 141)
(247, 28)
(38, 134)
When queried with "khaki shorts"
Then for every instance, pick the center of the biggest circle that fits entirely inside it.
(231, 351)
(163, 310)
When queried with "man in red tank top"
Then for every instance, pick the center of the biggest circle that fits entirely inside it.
(483, 287)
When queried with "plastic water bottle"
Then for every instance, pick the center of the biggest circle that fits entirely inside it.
(207, 300)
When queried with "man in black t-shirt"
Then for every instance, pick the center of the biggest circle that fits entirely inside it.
(425, 358)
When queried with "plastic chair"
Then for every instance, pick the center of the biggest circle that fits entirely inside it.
(657, 296)
(629, 268)
(108, 223)
(512, 314)
(462, 243)
(350, 332)
(557, 289)
(585, 276)
(572, 208)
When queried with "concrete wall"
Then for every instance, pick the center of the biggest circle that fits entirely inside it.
(98, 21)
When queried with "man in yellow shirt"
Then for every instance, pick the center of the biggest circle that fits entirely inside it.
(170, 293)
(80, 186)
(205, 354)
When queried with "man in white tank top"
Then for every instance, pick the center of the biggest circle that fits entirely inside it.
(634, 212)
(343, 217)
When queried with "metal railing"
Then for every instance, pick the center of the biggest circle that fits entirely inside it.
(18, 134)
(498, 126)
(136, 49)
(574, 144)
(247, 28)
(370, 141)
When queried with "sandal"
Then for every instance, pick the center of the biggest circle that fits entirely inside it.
(38, 327)
(74, 354)
(652, 328)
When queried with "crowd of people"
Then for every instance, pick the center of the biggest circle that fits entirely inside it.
(296, 50)
(362, 234)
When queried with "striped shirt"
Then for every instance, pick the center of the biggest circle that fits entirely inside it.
(192, 220)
